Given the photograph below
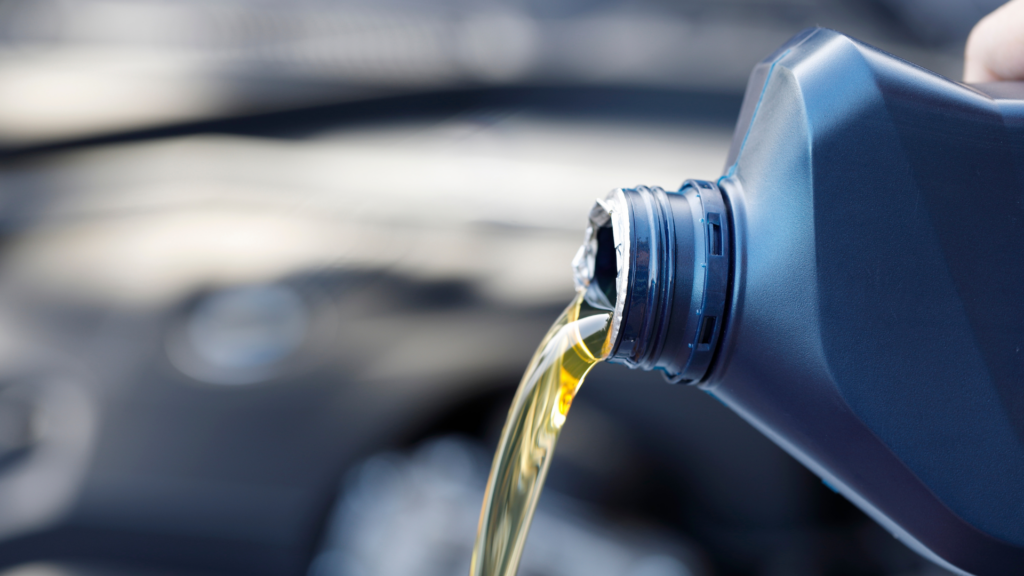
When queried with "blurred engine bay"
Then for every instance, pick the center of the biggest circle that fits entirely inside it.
(204, 335)
(255, 339)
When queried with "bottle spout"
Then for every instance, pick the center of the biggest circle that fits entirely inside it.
(660, 261)
(597, 267)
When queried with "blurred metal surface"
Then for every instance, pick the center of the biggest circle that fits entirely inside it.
(481, 197)
(249, 334)
(417, 513)
(73, 68)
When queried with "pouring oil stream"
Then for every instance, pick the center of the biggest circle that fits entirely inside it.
(575, 342)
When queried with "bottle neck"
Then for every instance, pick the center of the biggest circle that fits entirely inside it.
(660, 261)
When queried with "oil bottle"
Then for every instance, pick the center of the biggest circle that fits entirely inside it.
(852, 286)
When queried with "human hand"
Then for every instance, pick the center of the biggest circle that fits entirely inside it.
(995, 48)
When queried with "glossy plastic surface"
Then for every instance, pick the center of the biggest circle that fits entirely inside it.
(876, 324)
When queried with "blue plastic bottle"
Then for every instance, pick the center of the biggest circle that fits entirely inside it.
(853, 286)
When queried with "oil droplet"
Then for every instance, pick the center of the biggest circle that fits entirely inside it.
(575, 342)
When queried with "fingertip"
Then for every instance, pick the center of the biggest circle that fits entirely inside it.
(995, 49)
(977, 51)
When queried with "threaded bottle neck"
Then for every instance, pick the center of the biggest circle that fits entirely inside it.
(660, 260)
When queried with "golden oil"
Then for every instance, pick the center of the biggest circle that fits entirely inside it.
(575, 342)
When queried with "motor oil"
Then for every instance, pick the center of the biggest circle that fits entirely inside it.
(852, 286)
(573, 345)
